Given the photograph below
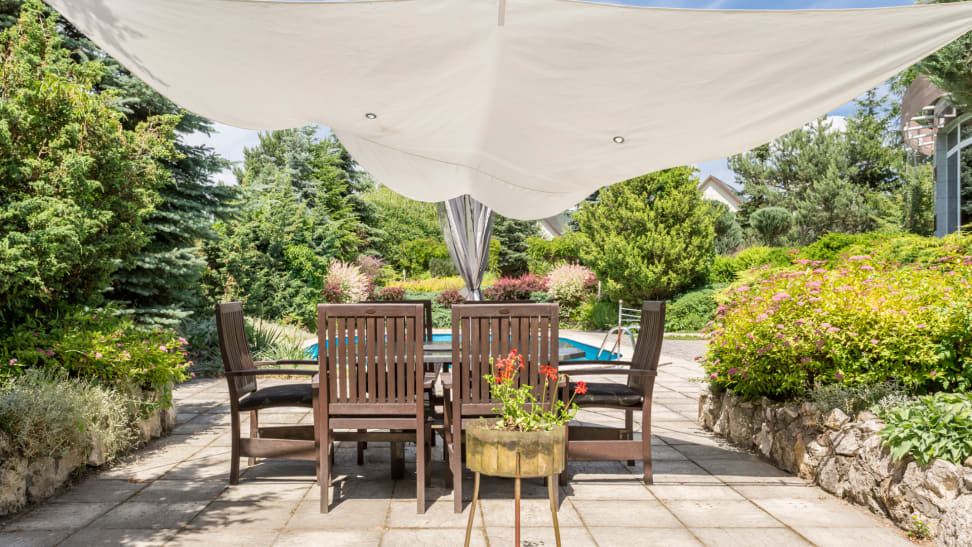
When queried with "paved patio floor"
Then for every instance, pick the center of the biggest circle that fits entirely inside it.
(175, 492)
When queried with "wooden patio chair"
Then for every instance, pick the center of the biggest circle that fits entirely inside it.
(372, 379)
(481, 332)
(608, 444)
(245, 396)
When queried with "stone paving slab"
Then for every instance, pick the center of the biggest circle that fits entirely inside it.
(174, 492)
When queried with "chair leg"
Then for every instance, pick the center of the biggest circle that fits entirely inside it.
(254, 433)
(235, 448)
(397, 460)
(629, 428)
(427, 462)
(646, 440)
(361, 448)
(455, 465)
(421, 444)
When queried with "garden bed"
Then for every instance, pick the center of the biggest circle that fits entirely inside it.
(33, 478)
(845, 456)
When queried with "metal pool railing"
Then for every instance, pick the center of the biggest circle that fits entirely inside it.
(629, 322)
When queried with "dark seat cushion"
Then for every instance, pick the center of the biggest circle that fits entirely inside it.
(285, 395)
(607, 394)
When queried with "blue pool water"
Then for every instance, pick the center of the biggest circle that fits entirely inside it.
(590, 352)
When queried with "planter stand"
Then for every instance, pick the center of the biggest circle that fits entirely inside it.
(518, 456)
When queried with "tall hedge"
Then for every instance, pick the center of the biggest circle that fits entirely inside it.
(75, 184)
(648, 237)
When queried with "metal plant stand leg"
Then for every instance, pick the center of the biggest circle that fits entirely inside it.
(472, 508)
(516, 506)
(551, 489)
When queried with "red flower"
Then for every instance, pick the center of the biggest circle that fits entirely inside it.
(549, 372)
(580, 388)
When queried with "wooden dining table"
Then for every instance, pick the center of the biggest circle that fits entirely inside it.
(441, 352)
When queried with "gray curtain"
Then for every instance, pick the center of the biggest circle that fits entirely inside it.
(467, 226)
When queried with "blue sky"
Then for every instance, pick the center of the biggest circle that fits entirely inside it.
(230, 141)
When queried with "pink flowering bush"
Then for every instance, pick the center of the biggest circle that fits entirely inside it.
(854, 320)
(569, 284)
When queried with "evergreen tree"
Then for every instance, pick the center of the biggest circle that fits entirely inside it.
(73, 203)
(728, 233)
(649, 237)
(162, 284)
(297, 215)
(512, 235)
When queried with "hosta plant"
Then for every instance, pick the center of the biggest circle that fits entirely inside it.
(934, 426)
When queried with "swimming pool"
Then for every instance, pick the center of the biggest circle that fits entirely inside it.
(590, 352)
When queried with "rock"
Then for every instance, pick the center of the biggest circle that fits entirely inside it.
(13, 484)
(96, 451)
(867, 416)
(955, 528)
(968, 462)
(846, 443)
(764, 440)
(830, 477)
(66, 465)
(150, 427)
(876, 458)
(721, 424)
(861, 486)
(835, 419)
(169, 417)
(41, 478)
(710, 406)
(742, 424)
(942, 480)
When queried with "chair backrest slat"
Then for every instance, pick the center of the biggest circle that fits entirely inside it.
(426, 307)
(484, 332)
(375, 353)
(233, 346)
(648, 346)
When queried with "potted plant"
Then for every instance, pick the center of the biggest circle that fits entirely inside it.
(528, 437)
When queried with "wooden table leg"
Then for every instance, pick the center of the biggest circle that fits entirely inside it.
(551, 491)
(472, 508)
(397, 460)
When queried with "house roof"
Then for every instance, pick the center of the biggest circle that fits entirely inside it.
(723, 188)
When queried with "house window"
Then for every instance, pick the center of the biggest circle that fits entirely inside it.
(958, 165)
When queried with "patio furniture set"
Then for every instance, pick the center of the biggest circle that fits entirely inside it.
(379, 377)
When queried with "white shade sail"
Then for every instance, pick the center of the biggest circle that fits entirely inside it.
(518, 103)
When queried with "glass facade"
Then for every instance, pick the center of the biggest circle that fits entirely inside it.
(957, 187)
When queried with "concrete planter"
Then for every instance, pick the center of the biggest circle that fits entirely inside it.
(503, 453)
(846, 457)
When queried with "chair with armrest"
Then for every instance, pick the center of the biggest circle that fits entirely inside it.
(245, 396)
(606, 444)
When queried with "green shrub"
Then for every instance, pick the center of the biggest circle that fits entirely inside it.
(832, 245)
(47, 414)
(603, 315)
(934, 426)
(202, 347)
(860, 323)
(543, 254)
(100, 345)
(762, 256)
(569, 285)
(728, 232)
(441, 267)
(853, 399)
(691, 311)
(650, 237)
(723, 270)
(772, 223)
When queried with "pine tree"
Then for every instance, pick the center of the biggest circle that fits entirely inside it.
(512, 235)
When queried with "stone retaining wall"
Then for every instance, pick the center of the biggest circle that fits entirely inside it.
(845, 457)
(23, 481)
